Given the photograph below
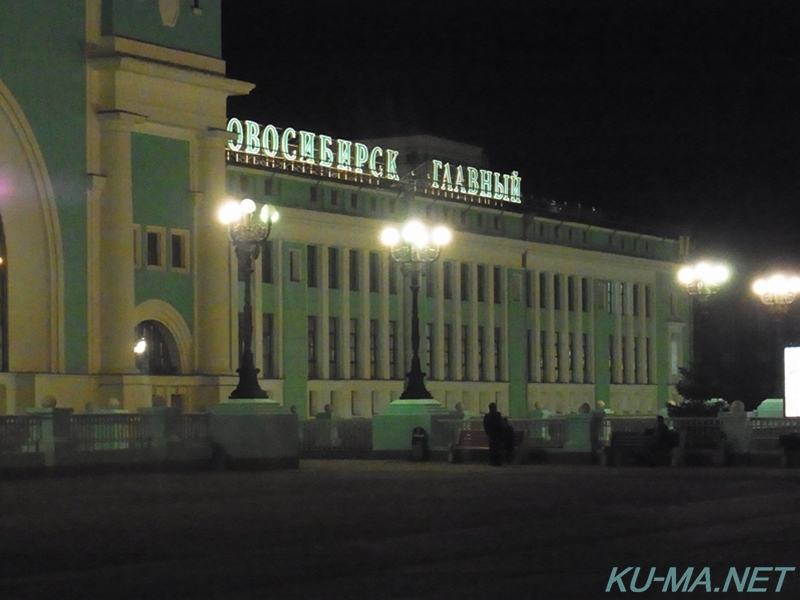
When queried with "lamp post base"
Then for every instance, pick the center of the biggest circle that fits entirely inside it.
(392, 430)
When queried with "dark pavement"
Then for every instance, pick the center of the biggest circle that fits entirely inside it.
(398, 530)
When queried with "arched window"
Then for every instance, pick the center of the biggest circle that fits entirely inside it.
(156, 349)
(3, 301)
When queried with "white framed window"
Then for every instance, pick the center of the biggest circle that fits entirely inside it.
(179, 250)
(155, 241)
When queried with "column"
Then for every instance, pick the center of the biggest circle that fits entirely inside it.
(116, 245)
(215, 341)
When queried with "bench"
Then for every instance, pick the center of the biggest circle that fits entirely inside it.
(472, 442)
(707, 444)
(636, 447)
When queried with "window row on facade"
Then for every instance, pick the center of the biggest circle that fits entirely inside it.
(159, 248)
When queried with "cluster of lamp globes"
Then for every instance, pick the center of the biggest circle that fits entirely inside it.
(705, 278)
(241, 214)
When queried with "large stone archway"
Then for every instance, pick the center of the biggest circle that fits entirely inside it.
(174, 323)
(33, 242)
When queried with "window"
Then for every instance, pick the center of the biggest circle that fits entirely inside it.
(611, 359)
(635, 299)
(267, 254)
(647, 349)
(571, 293)
(647, 302)
(447, 275)
(137, 246)
(312, 193)
(333, 268)
(429, 347)
(464, 353)
(557, 292)
(393, 370)
(155, 247)
(585, 359)
(623, 309)
(373, 204)
(623, 360)
(268, 346)
(572, 357)
(311, 265)
(448, 350)
(353, 348)
(481, 283)
(464, 281)
(498, 365)
(353, 275)
(609, 297)
(354, 200)
(542, 290)
(481, 354)
(529, 355)
(373, 348)
(294, 265)
(528, 290)
(268, 187)
(429, 274)
(559, 358)
(498, 284)
(374, 265)
(543, 358)
(585, 294)
(393, 277)
(333, 344)
(334, 198)
(312, 348)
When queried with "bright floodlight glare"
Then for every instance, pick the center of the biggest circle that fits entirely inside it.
(268, 214)
(441, 235)
(760, 286)
(390, 236)
(415, 233)
(230, 212)
(248, 206)
(686, 275)
(140, 347)
(719, 274)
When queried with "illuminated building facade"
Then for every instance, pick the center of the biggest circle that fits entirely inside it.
(116, 156)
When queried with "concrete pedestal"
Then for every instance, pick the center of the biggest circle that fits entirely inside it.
(254, 433)
(391, 431)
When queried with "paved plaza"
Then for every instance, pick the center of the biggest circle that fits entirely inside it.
(398, 530)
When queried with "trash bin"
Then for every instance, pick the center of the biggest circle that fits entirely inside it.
(419, 444)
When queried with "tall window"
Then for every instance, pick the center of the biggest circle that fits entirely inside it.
(481, 354)
(333, 344)
(179, 242)
(623, 359)
(481, 283)
(542, 290)
(394, 372)
(498, 364)
(448, 349)
(447, 275)
(312, 348)
(429, 346)
(155, 250)
(529, 355)
(267, 256)
(571, 293)
(373, 348)
(573, 372)
(648, 377)
(585, 359)
(353, 258)
(268, 346)
(611, 359)
(635, 299)
(498, 284)
(464, 281)
(393, 277)
(559, 358)
(585, 294)
(311, 266)
(528, 290)
(557, 291)
(544, 363)
(465, 353)
(623, 310)
(429, 273)
(353, 348)
(647, 302)
(374, 264)
(333, 268)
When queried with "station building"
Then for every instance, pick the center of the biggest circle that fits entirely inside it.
(116, 154)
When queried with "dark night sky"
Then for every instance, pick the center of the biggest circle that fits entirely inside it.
(682, 112)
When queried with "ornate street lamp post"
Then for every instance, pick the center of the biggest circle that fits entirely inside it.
(704, 279)
(248, 232)
(415, 247)
(777, 291)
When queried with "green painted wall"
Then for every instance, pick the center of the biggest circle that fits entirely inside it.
(517, 350)
(141, 20)
(161, 197)
(295, 336)
(43, 51)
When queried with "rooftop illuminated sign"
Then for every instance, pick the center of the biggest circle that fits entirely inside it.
(476, 182)
(302, 151)
(312, 149)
